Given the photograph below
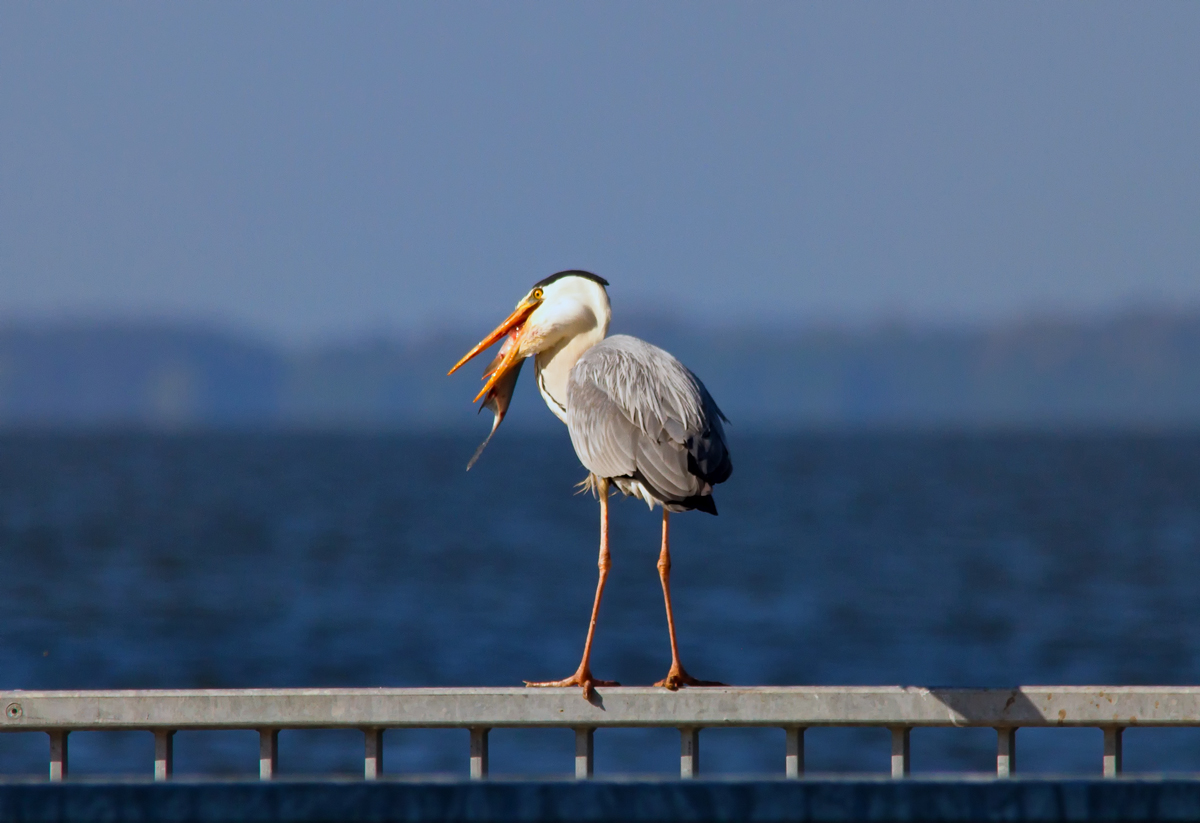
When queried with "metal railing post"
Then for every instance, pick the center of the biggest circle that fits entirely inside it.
(479, 753)
(900, 751)
(1112, 751)
(1006, 751)
(373, 754)
(58, 755)
(689, 752)
(794, 758)
(164, 753)
(268, 753)
(585, 755)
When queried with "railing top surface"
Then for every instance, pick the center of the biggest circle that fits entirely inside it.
(624, 706)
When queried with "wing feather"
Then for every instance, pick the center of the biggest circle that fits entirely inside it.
(635, 411)
(602, 435)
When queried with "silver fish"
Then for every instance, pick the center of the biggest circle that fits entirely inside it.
(500, 396)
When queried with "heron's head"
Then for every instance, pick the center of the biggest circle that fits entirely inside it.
(557, 309)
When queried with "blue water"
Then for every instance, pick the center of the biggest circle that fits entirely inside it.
(137, 561)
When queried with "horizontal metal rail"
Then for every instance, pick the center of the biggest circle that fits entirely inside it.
(794, 709)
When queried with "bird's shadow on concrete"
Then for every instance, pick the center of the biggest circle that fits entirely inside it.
(1012, 706)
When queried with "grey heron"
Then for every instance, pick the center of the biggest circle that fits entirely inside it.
(639, 420)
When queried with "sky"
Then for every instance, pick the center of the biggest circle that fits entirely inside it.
(315, 171)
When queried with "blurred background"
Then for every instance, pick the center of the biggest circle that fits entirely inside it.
(937, 262)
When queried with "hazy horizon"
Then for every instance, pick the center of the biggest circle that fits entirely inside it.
(623, 323)
(1134, 370)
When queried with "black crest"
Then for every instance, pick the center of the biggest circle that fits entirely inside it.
(571, 273)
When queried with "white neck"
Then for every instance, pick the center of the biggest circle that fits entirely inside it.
(554, 365)
(572, 318)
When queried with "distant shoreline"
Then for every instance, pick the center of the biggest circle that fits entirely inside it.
(1139, 371)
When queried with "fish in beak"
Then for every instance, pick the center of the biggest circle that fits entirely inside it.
(502, 373)
(501, 391)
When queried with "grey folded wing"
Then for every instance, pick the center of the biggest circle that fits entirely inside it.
(635, 411)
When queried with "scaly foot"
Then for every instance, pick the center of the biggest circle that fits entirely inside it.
(677, 678)
(582, 678)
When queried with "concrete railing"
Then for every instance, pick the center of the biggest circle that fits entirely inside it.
(794, 709)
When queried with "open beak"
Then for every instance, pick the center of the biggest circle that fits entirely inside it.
(510, 356)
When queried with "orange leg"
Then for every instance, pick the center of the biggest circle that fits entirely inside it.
(583, 675)
(677, 676)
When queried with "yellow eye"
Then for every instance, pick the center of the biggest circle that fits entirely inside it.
(537, 294)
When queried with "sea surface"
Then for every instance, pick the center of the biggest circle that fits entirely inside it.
(257, 560)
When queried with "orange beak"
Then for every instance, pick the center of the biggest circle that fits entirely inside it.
(510, 354)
